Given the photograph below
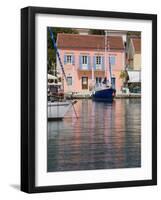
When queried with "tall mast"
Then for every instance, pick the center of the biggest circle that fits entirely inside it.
(107, 48)
(109, 62)
(105, 54)
(57, 52)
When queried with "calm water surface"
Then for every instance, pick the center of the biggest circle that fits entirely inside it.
(105, 136)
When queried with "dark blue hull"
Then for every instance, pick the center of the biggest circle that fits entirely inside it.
(104, 95)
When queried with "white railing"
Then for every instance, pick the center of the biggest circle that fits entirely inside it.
(98, 67)
(84, 67)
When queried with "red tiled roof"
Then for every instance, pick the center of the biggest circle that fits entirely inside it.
(137, 44)
(76, 41)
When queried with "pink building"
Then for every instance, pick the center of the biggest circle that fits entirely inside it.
(84, 62)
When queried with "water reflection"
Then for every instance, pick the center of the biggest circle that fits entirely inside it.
(105, 136)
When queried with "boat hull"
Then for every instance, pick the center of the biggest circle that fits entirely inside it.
(57, 110)
(104, 95)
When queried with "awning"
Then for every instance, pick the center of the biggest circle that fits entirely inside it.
(52, 77)
(134, 76)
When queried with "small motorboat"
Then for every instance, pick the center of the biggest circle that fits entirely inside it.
(57, 104)
(57, 110)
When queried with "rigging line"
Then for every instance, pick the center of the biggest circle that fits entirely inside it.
(74, 110)
(57, 52)
(61, 65)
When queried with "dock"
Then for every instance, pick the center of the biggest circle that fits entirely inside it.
(88, 95)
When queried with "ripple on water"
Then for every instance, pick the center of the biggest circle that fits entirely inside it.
(105, 136)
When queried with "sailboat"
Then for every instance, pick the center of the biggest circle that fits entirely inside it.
(57, 105)
(106, 91)
(104, 95)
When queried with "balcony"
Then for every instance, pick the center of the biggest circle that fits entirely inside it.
(89, 68)
(98, 68)
(85, 67)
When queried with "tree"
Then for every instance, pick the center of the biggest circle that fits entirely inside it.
(124, 76)
(51, 54)
(134, 33)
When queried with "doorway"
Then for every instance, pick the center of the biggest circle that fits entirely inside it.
(84, 83)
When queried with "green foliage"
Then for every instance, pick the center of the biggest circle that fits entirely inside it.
(136, 33)
(124, 75)
(96, 32)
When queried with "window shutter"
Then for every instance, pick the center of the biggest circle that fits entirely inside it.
(88, 62)
(65, 59)
(112, 60)
(80, 62)
(94, 62)
(73, 60)
(103, 62)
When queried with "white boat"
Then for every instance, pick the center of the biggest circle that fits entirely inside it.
(57, 110)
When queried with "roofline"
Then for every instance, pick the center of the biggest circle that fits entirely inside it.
(90, 48)
(89, 35)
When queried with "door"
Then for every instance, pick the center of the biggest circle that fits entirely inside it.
(84, 83)
(113, 82)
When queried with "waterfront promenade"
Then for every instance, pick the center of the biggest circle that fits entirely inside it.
(87, 95)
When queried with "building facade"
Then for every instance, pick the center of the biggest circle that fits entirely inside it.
(86, 62)
(134, 54)
(134, 64)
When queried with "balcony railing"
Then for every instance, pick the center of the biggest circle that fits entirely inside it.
(95, 68)
(84, 67)
(98, 67)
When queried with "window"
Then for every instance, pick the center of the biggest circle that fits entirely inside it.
(69, 80)
(69, 59)
(84, 60)
(98, 60)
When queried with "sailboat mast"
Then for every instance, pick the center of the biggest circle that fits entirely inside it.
(109, 60)
(105, 54)
(108, 72)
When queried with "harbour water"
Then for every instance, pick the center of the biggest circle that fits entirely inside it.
(105, 136)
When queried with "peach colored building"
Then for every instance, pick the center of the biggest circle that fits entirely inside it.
(86, 63)
(134, 54)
